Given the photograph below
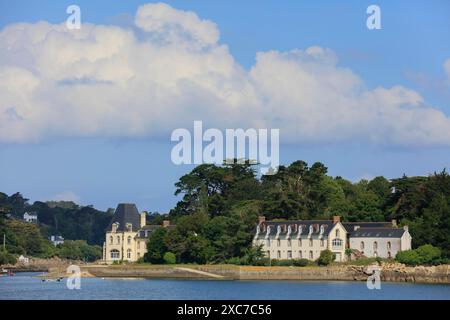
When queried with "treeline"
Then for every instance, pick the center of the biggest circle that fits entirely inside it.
(26, 239)
(64, 218)
(220, 204)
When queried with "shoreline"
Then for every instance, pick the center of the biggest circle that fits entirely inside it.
(388, 272)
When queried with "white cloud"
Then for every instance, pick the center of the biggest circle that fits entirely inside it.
(447, 67)
(171, 69)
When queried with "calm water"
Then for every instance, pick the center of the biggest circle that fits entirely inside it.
(27, 286)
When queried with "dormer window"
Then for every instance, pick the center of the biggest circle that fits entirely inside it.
(114, 227)
(322, 229)
(129, 227)
(338, 233)
(311, 229)
(299, 233)
(268, 232)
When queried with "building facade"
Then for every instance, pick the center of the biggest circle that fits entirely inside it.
(127, 235)
(301, 239)
(30, 217)
(370, 239)
(306, 239)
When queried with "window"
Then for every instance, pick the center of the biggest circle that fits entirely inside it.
(361, 246)
(389, 255)
(111, 239)
(138, 255)
(389, 245)
(299, 242)
(311, 255)
(129, 253)
(321, 242)
(289, 242)
(118, 239)
(268, 254)
(310, 242)
(300, 255)
(129, 240)
(375, 246)
(289, 254)
(138, 244)
(337, 243)
(338, 233)
(278, 242)
(279, 254)
(115, 254)
(268, 242)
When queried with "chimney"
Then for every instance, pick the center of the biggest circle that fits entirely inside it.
(143, 219)
(336, 219)
(166, 223)
(405, 228)
(394, 223)
(261, 219)
(355, 228)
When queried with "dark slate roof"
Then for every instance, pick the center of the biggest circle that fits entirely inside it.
(126, 213)
(295, 224)
(349, 226)
(377, 233)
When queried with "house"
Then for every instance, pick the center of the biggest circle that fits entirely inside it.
(23, 260)
(377, 239)
(56, 240)
(306, 239)
(30, 217)
(301, 239)
(127, 234)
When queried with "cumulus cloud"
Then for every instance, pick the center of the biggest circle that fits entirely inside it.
(170, 69)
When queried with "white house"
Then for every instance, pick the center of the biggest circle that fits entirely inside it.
(306, 239)
(56, 240)
(30, 217)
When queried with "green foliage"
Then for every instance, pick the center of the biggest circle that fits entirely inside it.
(424, 255)
(170, 258)
(7, 258)
(301, 262)
(79, 250)
(326, 257)
(156, 246)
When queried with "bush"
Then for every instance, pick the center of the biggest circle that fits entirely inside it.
(7, 258)
(301, 262)
(326, 257)
(169, 258)
(423, 255)
(283, 262)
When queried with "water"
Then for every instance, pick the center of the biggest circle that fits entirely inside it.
(27, 286)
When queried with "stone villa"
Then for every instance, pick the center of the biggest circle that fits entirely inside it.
(127, 234)
(297, 239)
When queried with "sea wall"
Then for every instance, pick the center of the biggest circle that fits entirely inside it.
(391, 272)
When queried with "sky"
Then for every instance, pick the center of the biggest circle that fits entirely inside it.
(86, 115)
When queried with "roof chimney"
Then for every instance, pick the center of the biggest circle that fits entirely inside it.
(166, 223)
(336, 219)
(143, 219)
(394, 223)
(261, 219)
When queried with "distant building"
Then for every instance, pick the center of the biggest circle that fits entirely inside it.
(306, 239)
(127, 234)
(22, 259)
(30, 217)
(56, 240)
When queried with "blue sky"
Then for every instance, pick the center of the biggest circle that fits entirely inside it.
(104, 169)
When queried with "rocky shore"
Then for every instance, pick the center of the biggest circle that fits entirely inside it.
(393, 272)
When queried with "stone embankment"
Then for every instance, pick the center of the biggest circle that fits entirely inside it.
(394, 272)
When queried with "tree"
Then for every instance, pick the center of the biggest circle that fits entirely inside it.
(169, 258)
(326, 257)
(156, 246)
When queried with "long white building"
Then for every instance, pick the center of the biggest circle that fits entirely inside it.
(306, 239)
